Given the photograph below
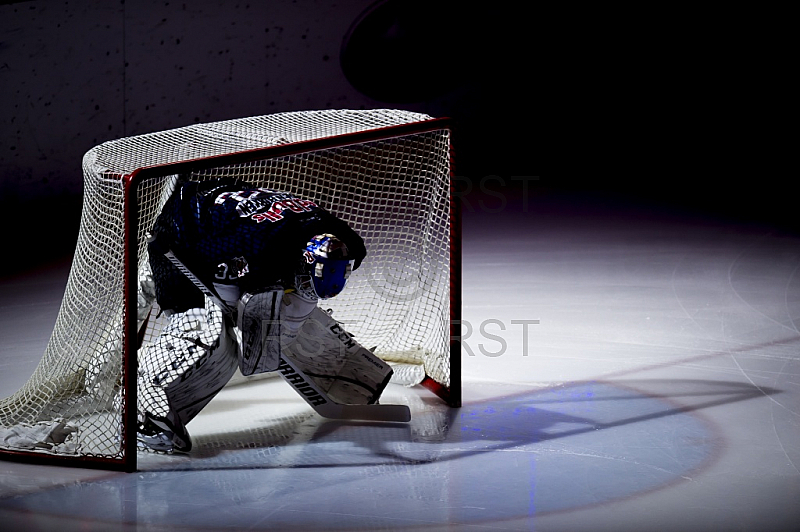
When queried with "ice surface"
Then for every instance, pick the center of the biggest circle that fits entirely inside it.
(622, 372)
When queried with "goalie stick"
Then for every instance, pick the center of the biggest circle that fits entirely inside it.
(197, 282)
(320, 401)
(327, 408)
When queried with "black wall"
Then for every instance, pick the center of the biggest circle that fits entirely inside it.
(632, 119)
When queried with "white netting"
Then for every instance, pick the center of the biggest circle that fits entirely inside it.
(393, 192)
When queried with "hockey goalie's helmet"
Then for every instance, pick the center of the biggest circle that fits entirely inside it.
(324, 269)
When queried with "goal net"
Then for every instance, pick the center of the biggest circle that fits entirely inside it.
(386, 172)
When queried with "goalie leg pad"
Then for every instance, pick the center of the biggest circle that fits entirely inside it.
(201, 382)
(187, 365)
(330, 357)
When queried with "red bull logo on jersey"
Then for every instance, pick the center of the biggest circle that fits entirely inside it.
(276, 210)
(265, 205)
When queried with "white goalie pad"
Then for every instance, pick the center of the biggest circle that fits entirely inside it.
(335, 362)
(187, 365)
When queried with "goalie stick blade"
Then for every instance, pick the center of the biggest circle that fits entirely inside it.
(327, 408)
(393, 413)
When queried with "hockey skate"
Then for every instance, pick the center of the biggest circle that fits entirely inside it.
(163, 435)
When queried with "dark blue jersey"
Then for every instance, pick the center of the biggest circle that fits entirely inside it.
(226, 232)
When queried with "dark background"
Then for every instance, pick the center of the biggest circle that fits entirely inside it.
(643, 117)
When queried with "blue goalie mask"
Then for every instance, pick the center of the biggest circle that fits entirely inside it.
(324, 268)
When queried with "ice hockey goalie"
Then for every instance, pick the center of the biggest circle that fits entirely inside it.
(227, 256)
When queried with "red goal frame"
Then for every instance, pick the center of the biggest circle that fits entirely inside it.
(452, 395)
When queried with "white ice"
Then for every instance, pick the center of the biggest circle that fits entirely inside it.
(623, 371)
